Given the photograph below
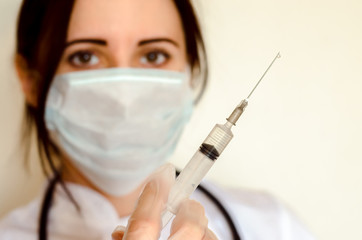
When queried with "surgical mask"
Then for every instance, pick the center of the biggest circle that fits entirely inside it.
(118, 125)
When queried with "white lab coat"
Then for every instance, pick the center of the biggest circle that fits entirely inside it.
(258, 217)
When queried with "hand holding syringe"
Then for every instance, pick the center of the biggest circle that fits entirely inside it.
(204, 158)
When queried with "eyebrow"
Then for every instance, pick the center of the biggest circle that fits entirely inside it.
(94, 41)
(147, 41)
(104, 43)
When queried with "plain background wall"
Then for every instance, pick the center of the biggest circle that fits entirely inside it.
(300, 138)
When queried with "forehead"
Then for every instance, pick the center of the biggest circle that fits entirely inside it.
(124, 19)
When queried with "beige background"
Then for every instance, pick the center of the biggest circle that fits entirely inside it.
(300, 137)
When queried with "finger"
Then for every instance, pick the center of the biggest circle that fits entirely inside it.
(190, 222)
(145, 222)
(118, 233)
(210, 235)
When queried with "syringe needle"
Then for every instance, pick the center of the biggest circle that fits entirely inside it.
(277, 56)
(203, 159)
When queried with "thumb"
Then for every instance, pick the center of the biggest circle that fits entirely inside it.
(145, 221)
(165, 178)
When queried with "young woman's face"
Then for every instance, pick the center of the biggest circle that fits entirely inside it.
(124, 33)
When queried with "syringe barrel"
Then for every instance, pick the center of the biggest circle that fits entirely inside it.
(200, 163)
(186, 183)
(219, 138)
(188, 180)
(197, 167)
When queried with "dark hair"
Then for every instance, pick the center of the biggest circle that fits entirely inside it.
(41, 37)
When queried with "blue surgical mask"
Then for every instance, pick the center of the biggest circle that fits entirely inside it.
(118, 125)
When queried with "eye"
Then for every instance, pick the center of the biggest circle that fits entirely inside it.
(155, 58)
(83, 59)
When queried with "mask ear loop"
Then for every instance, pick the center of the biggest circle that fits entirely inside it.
(198, 83)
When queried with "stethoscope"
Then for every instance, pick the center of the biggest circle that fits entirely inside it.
(224, 212)
(47, 202)
(222, 209)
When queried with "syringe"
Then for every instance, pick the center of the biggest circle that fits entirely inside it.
(195, 170)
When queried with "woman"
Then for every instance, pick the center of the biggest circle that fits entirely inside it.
(109, 86)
